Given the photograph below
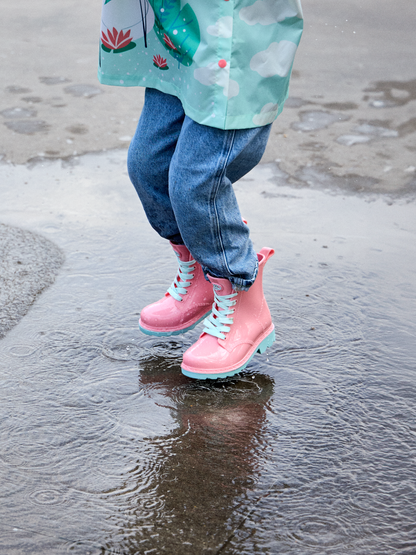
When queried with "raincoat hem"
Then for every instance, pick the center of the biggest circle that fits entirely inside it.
(242, 121)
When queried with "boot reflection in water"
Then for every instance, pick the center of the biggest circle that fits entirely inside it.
(205, 467)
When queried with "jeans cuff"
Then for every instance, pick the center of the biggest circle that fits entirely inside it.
(239, 284)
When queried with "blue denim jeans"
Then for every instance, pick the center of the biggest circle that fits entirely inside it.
(183, 173)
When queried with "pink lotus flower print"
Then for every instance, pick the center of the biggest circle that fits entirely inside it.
(160, 62)
(168, 42)
(117, 40)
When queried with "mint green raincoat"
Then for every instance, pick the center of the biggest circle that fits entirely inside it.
(228, 61)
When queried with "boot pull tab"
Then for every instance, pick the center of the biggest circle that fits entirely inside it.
(267, 252)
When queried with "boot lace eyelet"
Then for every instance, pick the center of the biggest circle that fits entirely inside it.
(183, 280)
(218, 323)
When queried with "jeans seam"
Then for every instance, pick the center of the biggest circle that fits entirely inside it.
(214, 203)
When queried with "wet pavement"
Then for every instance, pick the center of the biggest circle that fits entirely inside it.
(351, 117)
(104, 446)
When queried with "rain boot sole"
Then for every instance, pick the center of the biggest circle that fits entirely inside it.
(173, 332)
(261, 348)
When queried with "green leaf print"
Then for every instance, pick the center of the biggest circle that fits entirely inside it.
(126, 48)
(177, 29)
(130, 46)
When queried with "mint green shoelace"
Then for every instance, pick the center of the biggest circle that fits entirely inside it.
(218, 322)
(183, 279)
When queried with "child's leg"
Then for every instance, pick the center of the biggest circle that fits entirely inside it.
(205, 163)
(149, 158)
(190, 297)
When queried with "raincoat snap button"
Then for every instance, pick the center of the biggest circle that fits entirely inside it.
(222, 63)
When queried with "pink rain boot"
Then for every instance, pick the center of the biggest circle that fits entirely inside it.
(187, 301)
(240, 325)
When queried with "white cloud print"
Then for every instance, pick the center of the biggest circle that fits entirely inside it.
(267, 12)
(213, 75)
(267, 114)
(276, 60)
(222, 28)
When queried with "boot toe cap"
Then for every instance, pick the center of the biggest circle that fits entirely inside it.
(208, 356)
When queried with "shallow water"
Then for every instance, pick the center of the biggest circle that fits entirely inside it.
(106, 448)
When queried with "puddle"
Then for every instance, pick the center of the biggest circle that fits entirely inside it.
(87, 91)
(106, 447)
(376, 131)
(295, 102)
(78, 129)
(28, 127)
(407, 127)
(367, 132)
(54, 80)
(341, 106)
(319, 177)
(313, 146)
(17, 113)
(16, 89)
(350, 140)
(388, 94)
(32, 99)
(317, 119)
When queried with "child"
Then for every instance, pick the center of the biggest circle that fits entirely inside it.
(216, 75)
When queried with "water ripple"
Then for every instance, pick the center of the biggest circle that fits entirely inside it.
(47, 497)
(106, 447)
